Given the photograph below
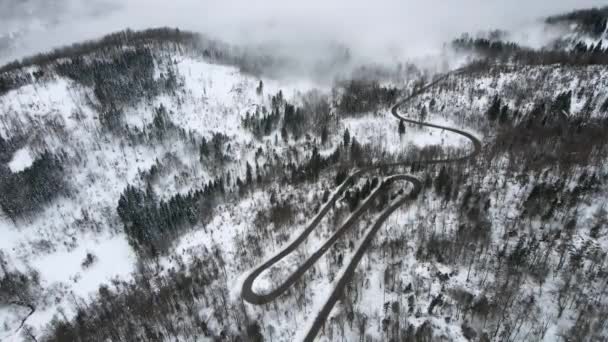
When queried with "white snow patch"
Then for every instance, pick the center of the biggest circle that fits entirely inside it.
(22, 159)
(114, 258)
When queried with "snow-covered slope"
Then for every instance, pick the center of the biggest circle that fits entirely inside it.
(75, 243)
(485, 244)
(53, 115)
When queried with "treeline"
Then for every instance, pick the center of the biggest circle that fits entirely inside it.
(485, 46)
(26, 191)
(250, 61)
(152, 225)
(362, 96)
(508, 51)
(13, 80)
(12, 75)
(550, 57)
(108, 42)
(592, 21)
(583, 48)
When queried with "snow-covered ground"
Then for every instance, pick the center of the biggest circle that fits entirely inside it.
(382, 130)
(54, 114)
(22, 159)
(56, 241)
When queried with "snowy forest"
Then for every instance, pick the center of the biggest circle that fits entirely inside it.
(160, 185)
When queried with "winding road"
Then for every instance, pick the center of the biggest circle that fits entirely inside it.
(250, 296)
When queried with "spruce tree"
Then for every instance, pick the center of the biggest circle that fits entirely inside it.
(494, 109)
(324, 135)
(423, 114)
(249, 175)
(401, 127)
(204, 149)
(504, 115)
(346, 138)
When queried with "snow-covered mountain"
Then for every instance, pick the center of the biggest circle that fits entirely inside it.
(143, 177)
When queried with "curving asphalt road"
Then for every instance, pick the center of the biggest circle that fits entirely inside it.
(252, 297)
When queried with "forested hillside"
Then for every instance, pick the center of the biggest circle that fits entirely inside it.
(143, 176)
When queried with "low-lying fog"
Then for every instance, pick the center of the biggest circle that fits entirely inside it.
(374, 31)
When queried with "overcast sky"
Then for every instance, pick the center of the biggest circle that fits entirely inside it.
(378, 29)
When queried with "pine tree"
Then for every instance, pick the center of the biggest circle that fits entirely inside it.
(204, 149)
(346, 138)
(324, 135)
(401, 127)
(442, 180)
(249, 175)
(494, 109)
(599, 48)
(562, 102)
(341, 176)
(599, 27)
(326, 196)
(315, 163)
(356, 152)
(423, 114)
(504, 115)
(284, 134)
